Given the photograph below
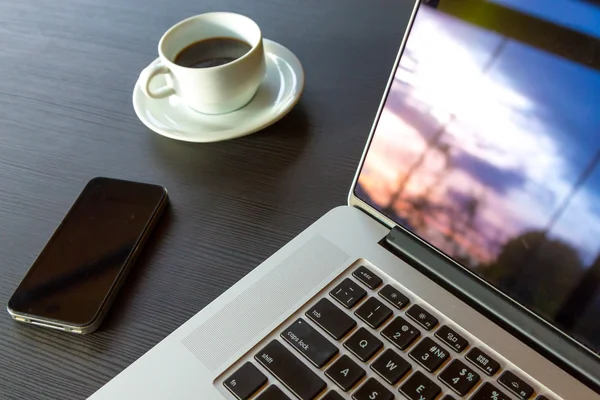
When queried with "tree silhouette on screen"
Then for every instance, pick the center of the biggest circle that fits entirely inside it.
(536, 270)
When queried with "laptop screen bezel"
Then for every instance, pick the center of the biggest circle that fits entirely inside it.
(355, 201)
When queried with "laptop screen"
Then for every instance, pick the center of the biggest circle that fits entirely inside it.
(488, 148)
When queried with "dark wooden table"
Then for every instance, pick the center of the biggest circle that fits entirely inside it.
(67, 72)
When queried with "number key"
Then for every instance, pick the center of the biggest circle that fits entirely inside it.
(348, 293)
(429, 354)
(373, 312)
(459, 377)
(400, 333)
(489, 392)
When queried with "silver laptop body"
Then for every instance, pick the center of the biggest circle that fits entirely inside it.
(362, 304)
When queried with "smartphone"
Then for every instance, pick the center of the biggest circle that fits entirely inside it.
(75, 278)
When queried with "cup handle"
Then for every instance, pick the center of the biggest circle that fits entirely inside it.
(150, 73)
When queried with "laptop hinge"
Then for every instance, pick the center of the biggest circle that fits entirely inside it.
(399, 242)
(392, 239)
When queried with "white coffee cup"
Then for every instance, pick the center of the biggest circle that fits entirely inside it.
(213, 90)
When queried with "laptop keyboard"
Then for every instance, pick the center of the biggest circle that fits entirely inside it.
(367, 338)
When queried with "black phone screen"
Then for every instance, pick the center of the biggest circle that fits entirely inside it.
(74, 274)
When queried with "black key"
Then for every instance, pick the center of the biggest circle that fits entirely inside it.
(422, 317)
(394, 297)
(542, 397)
(448, 397)
(372, 390)
(451, 338)
(400, 333)
(482, 361)
(363, 344)
(391, 367)
(419, 387)
(516, 385)
(310, 343)
(429, 354)
(489, 392)
(348, 293)
(332, 395)
(272, 393)
(290, 371)
(244, 382)
(333, 320)
(367, 277)
(459, 377)
(373, 312)
(345, 373)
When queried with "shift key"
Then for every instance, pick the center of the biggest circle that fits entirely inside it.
(290, 371)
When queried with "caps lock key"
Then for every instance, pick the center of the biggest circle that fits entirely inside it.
(310, 343)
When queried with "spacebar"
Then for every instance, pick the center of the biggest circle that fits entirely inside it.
(290, 371)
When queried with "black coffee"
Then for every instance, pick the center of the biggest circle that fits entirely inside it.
(212, 52)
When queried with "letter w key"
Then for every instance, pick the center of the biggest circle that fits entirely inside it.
(391, 367)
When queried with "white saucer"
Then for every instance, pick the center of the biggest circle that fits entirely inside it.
(277, 94)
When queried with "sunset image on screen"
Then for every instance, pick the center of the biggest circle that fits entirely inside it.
(488, 148)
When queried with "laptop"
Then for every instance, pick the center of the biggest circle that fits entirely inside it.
(466, 264)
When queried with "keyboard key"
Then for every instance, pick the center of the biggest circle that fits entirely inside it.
(419, 387)
(482, 361)
(516, 385)
(394, 297)
(372, 390)
(290, 371)
(373, 312)
(489, 392)
(391, 367)
(364, 275)
(400, 333)
(448, 397)
(422, 317)
(333, 320)
(345, 373)
(244, 382)
(310, 343)
(459, 377)
(272, 393)
(363, 344)
(451, 338)
(332, 395)
(429, 354)
(542, 397)
(348, 293)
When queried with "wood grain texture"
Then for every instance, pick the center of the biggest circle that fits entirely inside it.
(68, 70)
